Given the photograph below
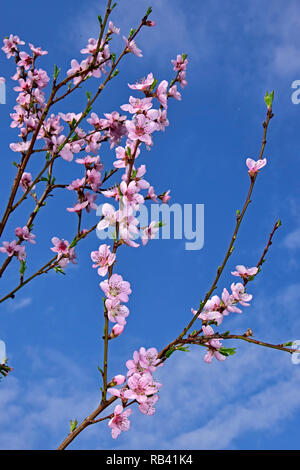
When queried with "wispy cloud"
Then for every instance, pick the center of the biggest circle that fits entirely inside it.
(20, 304)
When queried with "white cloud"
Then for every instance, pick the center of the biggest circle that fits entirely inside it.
(20, 304)
(292, 240)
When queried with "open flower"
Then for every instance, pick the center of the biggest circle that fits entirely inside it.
(244, 272)
(103, 258)
(120, 421)
(116, 288)
(255, 166)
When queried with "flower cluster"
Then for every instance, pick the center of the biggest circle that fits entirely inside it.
(65, 253)
(216, 308)
(141, 387)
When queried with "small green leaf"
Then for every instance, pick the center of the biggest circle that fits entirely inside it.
(22, 267)
(59, 270)
(73, 243)
(149, 11)
(290, 343)
(269, 97)
(169, 352)
(227, 351)
(73, 425)
(116, 72)
(183, 348)
(56, 71)
(132, 31)
(88, 94)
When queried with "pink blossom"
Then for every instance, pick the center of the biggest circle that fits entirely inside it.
(112, 28)
(140, 387)
(213, 353)
(132, 47)
(116, 288)
(9, 248)
(151, 194)
(93, 142)
(140, 129)
(61, 246)
(103, 258)
(174, 93)
(131, 194)
(165, 197)
(78, 207)
(239, 294)
(70, 117)
(25, 61)
(144, 360)
(147, 407)
(37, 50)
(255, 166)
(93, 179)
(143, 84)
(20, 146)
(120, 421)
(149, 232)
(76, 185)
(110, 217)
(244, 272)
(179, 63)
(10, 45)
(88, 161)
(137, 105)
(137, 177)
(116, 331)
(26, 181)
(118, 380)
(127, 226)
(17, 117)
(116, 311)
(161, 93)
(25, 234)
(90, 198)
(181, 79)
(66, 153)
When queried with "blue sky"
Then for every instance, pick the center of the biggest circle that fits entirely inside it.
(53, 327)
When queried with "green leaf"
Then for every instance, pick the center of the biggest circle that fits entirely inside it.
(132, 31)
(227, 351)
(100, 20)
(73, 425)
(149, 11)
(22, 267)
(279, 223)
(73, 243)
(59, 270)
(269, 97)
(154, 83)
(169, 352)
(116, 72)
(88, 94)
(56, 71)
(290, 343)
(183, 348)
